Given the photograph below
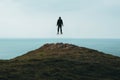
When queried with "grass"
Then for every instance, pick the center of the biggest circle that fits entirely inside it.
(71, 64)
(57, 69)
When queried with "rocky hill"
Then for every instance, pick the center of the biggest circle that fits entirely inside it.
(59, 61)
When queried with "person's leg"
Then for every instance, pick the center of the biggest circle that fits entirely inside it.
(58, 30)
(61, 29)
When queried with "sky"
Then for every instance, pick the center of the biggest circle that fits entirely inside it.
(37, 18)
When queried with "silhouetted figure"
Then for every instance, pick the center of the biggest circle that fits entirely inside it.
(59, 24)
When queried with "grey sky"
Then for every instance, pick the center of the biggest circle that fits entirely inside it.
(82, 18)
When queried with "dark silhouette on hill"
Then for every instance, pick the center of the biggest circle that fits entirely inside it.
(59, 24)
(59, 61)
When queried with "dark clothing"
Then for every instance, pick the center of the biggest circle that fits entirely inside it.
(59, 24)
(59, 28)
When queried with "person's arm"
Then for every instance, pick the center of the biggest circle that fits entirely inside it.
(57, 23)
(62, 23)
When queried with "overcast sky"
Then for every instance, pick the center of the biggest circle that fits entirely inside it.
(82, 18)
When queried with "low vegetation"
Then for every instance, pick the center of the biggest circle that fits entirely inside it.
(61, 62)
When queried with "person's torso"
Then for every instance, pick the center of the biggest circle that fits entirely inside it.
(59, 22)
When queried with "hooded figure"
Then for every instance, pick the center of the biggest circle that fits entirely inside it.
(59, 24)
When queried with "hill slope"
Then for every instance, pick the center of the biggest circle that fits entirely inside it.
(61, 62)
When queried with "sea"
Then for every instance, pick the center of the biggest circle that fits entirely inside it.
(11, 48)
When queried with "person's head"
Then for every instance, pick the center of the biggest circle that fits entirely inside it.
(59, 17)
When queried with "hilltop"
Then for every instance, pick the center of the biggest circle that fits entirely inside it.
(61, 61)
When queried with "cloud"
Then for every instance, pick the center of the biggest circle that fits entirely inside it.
(16, 22)
(112, 2)
(37, 18)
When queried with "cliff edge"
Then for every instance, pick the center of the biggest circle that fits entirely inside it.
(61, 61)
